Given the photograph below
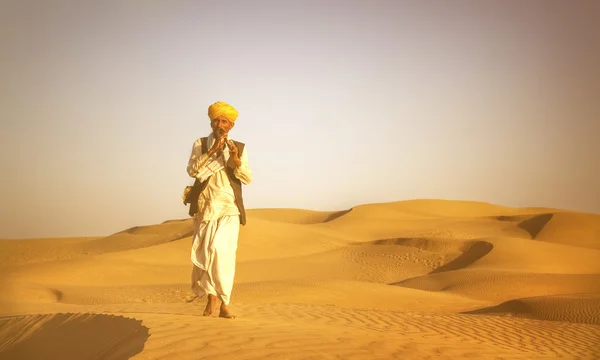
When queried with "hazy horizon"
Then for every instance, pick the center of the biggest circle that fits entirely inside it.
(340, 103)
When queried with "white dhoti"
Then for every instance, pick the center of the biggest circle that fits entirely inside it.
(213, 256)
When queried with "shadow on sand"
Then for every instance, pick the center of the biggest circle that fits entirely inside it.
(71, 337)
(532, 224)
(475, 252)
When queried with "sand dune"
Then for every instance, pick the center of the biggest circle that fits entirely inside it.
(408, 280)
(575, 308)
(573, 229)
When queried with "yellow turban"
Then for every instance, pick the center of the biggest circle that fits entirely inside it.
(222, 109)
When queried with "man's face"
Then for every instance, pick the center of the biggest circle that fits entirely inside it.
(221, 127)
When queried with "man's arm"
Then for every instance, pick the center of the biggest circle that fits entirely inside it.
(196, 159)
(202, 165)
(243, 171)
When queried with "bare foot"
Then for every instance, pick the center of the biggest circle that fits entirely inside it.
(210, 305)
(224, 313)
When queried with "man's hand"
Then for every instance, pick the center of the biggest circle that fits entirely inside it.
(234, 158)
(217, 146)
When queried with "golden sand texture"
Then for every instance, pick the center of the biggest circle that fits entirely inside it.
(420, 279)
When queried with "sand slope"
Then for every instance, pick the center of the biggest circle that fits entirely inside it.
(409, 280)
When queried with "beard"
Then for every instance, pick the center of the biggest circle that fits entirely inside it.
(220, 133)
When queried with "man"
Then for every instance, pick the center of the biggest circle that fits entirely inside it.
(220, 166)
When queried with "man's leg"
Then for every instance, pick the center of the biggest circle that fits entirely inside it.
(214, 248)
(211, 305)
(203, 237)
(223, 265)
(224, 312)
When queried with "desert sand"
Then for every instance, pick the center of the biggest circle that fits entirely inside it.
(420, 279)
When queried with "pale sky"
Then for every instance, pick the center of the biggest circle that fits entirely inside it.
(340, 103)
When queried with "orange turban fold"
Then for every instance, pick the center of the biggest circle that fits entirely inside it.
(222, 109)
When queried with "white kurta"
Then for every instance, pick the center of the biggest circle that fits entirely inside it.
(216, 225)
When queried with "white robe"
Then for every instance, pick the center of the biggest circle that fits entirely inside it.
(213, 256)
(216, 225)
